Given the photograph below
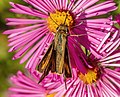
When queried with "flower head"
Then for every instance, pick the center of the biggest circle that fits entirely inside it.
(33, 40)
(23, 86)
(105, 83)
(100, 81)
(27, 85)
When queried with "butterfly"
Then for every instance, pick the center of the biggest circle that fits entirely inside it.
(57, 59)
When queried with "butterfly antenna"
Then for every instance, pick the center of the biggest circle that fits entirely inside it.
(65, 19)
(78, 35)
(77, 25)
(52, 19)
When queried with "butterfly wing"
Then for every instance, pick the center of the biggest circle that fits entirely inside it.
(67, 67)
(56, 58)
(53, 62)
(46, 63)
(46, 59)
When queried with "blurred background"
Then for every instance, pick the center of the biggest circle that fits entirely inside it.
(9, 67)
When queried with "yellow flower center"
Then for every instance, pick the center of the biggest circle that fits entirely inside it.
(57, 18)
(51, 95)
(90, 77)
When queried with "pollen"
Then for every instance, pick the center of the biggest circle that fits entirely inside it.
(58, 18)
(90, 77)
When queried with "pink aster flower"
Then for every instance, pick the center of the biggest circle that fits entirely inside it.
(32, 41)
(102, 83)
(105, 84)
(27, 85)
(23, 86)
(97, 82)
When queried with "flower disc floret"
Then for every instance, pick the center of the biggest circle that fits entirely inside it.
(57, 18)
(90, 77)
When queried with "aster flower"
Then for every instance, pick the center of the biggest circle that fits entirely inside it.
(97, 82)
(27, 85)
(92, 84)
(33, 40)
(103, 82)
